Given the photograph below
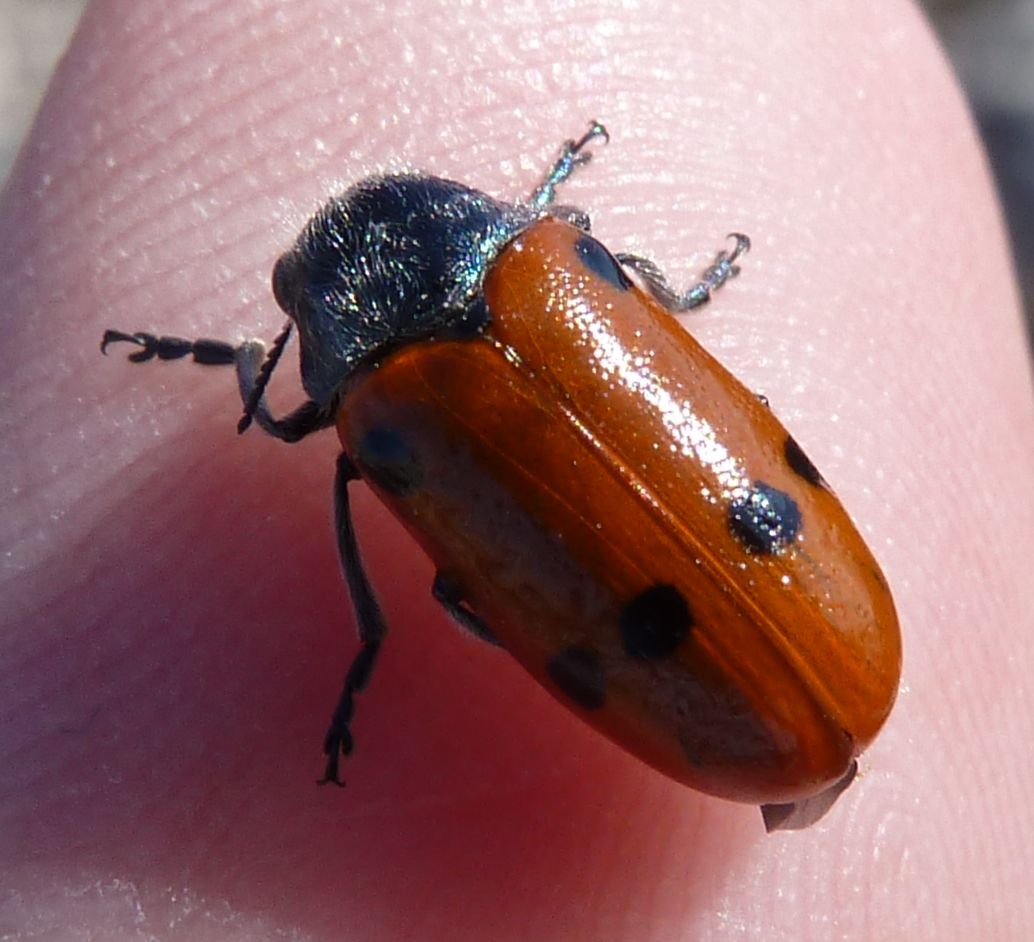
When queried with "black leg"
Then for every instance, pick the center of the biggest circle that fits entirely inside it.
(250, 359)
(252, 375)
(208, 352)
(572, 156)
(448, 594)
(372, 628)
(652, 277)
(717, 274)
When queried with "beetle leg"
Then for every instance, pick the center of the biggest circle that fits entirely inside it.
(572, 156)
(447, 593)
(372, 628)
(207, 352)
(652, 277)
(717, 274)
(794, 815)
(309, 417)
(248, 358)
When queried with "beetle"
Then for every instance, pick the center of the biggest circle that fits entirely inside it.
(599, 496)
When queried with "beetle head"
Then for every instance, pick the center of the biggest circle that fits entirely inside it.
(393, 260)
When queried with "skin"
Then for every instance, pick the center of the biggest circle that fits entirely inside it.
(174, 627)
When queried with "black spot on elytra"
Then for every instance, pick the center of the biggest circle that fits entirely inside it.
(578, 673)
(655, 622)
(766, 520)
(800, 463)
(600, 262)
(386, 460)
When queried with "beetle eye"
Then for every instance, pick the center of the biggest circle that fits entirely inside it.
(286, 283)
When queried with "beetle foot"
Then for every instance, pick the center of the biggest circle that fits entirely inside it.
(148, 343)
(208, 352)
(338, 743)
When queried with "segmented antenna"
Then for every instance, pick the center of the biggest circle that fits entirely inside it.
(264, 374)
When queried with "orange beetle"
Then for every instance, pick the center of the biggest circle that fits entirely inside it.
(600, 497)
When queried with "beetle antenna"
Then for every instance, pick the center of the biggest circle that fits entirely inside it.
(264, 374)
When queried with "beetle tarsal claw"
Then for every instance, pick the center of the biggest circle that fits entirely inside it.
(337, 743)
(148, 343)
